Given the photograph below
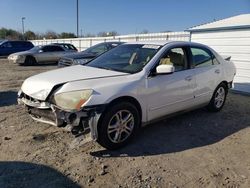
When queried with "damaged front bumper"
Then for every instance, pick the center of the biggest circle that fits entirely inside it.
(78, 122)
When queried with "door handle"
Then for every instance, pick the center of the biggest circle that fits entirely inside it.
(188, 78)
(217, 71)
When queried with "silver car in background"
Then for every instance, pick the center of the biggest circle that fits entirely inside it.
(40, 54)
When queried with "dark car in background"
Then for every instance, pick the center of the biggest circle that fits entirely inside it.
(8, 47)
(87, 55)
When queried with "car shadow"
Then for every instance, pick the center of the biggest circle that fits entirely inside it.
(52, 64)
(47, 64)
(8, 98)
(187, 131)
(23, 174)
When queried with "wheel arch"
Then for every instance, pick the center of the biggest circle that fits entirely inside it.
(129, 99)
(224, 82)
(31, 56)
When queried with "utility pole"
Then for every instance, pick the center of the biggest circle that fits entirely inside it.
(77, 18)
(23, 18)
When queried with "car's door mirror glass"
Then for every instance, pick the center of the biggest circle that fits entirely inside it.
(164, 69)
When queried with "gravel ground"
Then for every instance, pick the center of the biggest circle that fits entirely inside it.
(197, 149)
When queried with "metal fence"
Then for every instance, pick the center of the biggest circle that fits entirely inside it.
(83, 43)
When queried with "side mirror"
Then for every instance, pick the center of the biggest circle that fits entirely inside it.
(40, 51)
(164, 69)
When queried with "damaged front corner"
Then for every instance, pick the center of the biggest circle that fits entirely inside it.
(93, 124)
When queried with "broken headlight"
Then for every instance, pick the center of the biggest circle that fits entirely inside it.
(72, 100)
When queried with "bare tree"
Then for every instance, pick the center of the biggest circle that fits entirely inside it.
(90, 35)
(30, 35)
(51, 35)
(107, 34)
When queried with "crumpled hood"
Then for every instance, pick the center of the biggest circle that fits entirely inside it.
(40, 86)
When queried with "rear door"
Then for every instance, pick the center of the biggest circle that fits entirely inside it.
(208, 73)
(58, 52)
(19, 46)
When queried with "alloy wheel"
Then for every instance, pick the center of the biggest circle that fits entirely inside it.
(120, 126)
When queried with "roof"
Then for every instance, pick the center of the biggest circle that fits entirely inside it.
(166, 42)
(156, 42)
(235, 22)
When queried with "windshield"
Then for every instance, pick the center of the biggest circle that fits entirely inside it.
(130, 58)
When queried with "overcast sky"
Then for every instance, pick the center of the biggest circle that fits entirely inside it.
(123, 16)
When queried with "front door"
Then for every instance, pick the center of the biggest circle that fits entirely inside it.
(171, 92)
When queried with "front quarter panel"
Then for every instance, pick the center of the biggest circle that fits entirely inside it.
(105, 90)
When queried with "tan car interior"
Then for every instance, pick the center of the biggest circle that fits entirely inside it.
(175, 59)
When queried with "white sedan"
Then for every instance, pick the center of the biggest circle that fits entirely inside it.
(128, 87)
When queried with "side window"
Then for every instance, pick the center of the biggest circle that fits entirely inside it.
(15, 44)
(27, 44)
(57, 49)
(176, 57)
(47, 49)
(201, 57)
(7, 45)
(18, 44)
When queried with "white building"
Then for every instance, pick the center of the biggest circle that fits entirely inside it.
(229, 37)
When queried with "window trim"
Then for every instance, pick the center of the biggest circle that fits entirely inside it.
(186, 52)
(212, 56)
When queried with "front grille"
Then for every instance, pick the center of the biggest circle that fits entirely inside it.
(65, 62)
(44, 114)
(30, 99)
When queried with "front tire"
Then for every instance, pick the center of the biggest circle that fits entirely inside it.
(219, 97)
(118, 125)
(29, 60)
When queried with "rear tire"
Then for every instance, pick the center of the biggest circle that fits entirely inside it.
(219, 97)
(118, 125)
(29, 60)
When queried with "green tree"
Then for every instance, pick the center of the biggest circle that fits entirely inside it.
(10, 34)
(67, 35)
